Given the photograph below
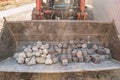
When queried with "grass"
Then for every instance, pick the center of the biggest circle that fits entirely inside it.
(7, 4)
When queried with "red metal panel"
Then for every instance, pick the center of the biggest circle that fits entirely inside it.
(82, 5)
(38, 5)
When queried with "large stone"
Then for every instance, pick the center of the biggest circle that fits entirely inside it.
(74, 52)
(65, 62)
(81, 59)
(79, 45)
(90, 51)
(64, 51)
(107, 51)
(29, 54)
(65, 45)
(16, 55)
(95, 47)
(47, 46)
(40, 60)
(63, 56)
(37, 54)
(22, 55)
(69, 50)
(75, 59)
(32, 61)
(29, 46)
(45, 51)
(39, 43)
(44, 55)
(69, 57)
(96, 58)
(35, 48)
(27, 60)
(60, 45)
(71, 42)
(48, 56)
(55, 59)
(27, 50)
(79, 54)
(76, 41)
(48, 61)
(21, 60)
(85, 53)
(87, 59)
(84, 45)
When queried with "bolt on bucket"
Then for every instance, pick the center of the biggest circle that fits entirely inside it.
(18, 33)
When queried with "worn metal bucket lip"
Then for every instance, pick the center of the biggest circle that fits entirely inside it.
(91, 21)
(10, 65)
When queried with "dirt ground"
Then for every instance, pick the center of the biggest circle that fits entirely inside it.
(7, 4)
(101, 75)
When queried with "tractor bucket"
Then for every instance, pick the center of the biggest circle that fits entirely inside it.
(15, 34)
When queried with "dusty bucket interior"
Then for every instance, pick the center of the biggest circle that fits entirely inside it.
(18, 33)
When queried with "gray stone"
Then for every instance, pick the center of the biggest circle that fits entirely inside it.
(107, 51)
(65, 62)
(84, 45)
(64, 51)
(79, 45)
(79, 54)
(71, 42)
(35, 48)
(45, 51)
(87, 59)
(69, 50)
(37, 54)
(55, 59)
(27, 60)
(48, 61)
(69, 57)
(22, 55)
(29, 54)
(27, 50)
(48, 56)
(81, 59)
(16, 55)
(39, 43)
(75, 59)
(40, 60)
(85, 53)
(96, 58)
(29, 46)
(74, 52)
(32, 61)
(63, 56)
(95, 47)
(90, 51)
(60, 45)
(76, 41)
(65, 46)
(44, 55)
(21, 60)
(47, 46)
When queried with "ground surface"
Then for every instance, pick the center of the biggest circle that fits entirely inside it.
(7, 4)
(103, 75)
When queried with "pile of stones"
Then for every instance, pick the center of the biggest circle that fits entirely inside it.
(81, 51)
(74, 51)
(37, 53)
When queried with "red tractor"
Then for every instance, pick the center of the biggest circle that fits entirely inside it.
(60, 10)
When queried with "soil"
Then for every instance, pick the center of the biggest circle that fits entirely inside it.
(7, 4)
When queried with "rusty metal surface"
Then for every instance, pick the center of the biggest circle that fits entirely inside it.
(16, 32)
